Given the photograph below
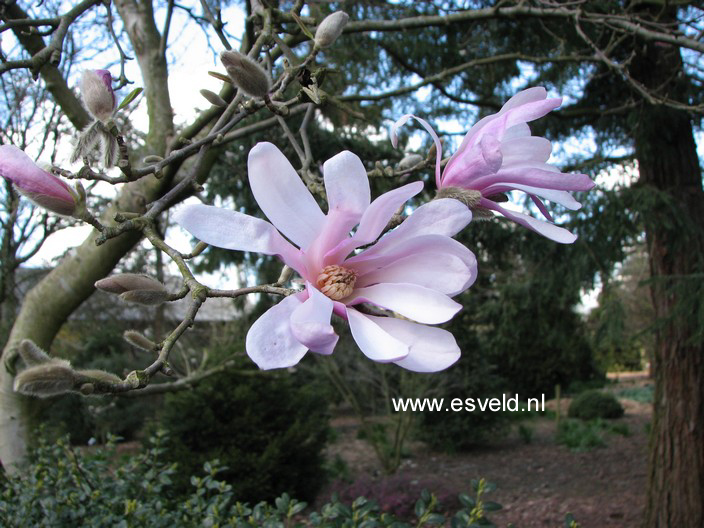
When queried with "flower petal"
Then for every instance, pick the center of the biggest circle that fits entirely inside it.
(445, 217)
(373, 341)
(551, 231)
(347, 185)
(393, 132)
(560, 197)
(430, 349)
(374, 220)
(270, 342)
(536, 177)
(233, 230)
(415, 302)
(282, 195)
(446, 274)
(310, 323)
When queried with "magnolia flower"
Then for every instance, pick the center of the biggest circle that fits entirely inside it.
(97, 93)
(412, 270)
(498, 154)
(43, 188)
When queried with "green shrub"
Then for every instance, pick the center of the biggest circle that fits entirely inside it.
(465, 430)
(593, 404)
(267, 429)
(64, 486)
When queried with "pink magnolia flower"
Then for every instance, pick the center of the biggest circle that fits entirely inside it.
(412, 270)
(43, 188)
(498, 154)
(97, 93)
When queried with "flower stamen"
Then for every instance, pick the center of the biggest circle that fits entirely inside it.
(336, 282)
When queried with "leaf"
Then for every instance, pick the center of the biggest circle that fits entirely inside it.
(302, 26)
(221, 76)
(492, 506)
(130, 97)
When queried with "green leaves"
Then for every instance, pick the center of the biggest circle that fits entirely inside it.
(130, 97)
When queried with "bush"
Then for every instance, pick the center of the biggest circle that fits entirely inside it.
(268, 430)
(63, 486)
(465, 430)
(594, 404)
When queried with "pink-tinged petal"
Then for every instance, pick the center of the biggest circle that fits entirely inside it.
(97, 93)
(43, 188)
(374, 220)
(445, 217)
(529, 95)
(310, 323)
(372, 340)
(283, 196)
(438, 145)
(415, 302)
(522, 150)
(536, 178)
(335, 232)
(447, 275)
(270, 342)
(346, 184)
(441, 246)
(560, 197)
(491, 152)
(430, 349)
(551, 231)
(437, 263)
(233, 230)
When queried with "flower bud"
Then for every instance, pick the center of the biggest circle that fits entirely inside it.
(48, 379)
(98, 376)
(148, 297)
(410, 161)
(96, 90)
(134, 338)
(213, 98)
(125, 282)
(41, 187)
(330, 29)
(247, 74)
(31, 354)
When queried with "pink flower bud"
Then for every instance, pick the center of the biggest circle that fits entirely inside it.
(96, 89)
(43, 188)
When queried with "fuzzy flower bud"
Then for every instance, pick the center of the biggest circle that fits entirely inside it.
(125, 282)
(41, 187)
(247, 74)
(47, 379)
(98, 96)
(31, 354)
(410, 161)
(139, 340)
(330, 29)
(147, 297)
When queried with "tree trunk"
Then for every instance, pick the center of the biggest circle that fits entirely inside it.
(49, 304)
(674, 217)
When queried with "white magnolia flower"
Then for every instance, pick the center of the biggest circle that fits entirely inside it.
(412, 270)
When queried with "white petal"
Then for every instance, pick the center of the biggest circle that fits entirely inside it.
(232, 230)
(270, 342)
(283, 196)
(526, 149)
(444, 273)
(548, 230)
(310, 323)
(346, 184)
(415, 302)
(373, 341)
(431, 349)
(560, 197)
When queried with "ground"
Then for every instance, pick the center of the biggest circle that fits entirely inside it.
(538, 483)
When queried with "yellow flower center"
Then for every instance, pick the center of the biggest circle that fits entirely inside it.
(336, 282)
